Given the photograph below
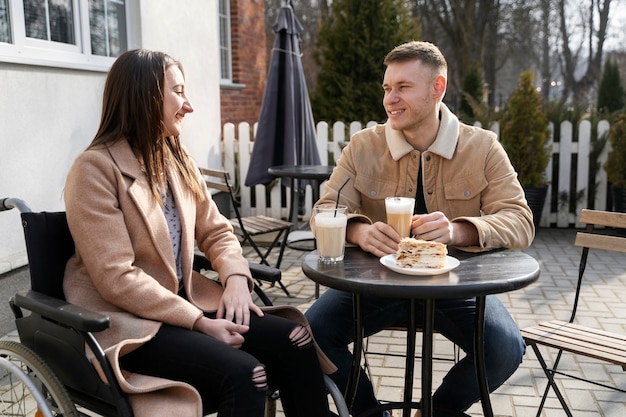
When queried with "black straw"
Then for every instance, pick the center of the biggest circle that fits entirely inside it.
(338, 193)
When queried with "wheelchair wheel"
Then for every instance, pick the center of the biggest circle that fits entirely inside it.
(337, 404)
(337, 398)
(28, 387)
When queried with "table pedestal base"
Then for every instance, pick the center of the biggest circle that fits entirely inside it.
(426, 406)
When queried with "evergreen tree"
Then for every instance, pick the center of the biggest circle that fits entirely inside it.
(615, 165)
(525, 133)
(611, 91)
(472, 94)
(352, 43)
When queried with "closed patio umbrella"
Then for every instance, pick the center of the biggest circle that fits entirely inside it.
(286, 129)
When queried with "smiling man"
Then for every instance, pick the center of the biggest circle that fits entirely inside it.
(466, 195)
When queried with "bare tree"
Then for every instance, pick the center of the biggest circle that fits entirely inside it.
(562, 40)
(493, 34)
(518, 36)
(585, 50)
(460, 27)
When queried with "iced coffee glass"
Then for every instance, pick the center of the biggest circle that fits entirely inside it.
(330, 231)
(399, 214)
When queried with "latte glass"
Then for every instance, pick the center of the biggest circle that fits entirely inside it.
(399, 214)
(330, 231)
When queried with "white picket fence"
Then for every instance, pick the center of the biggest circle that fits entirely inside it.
(237, 148)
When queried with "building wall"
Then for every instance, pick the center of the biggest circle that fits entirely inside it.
(241, 100)
(49, 115)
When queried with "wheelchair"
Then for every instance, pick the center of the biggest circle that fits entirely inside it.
(49, 373)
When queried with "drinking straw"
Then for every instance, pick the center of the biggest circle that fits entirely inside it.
(338, 193)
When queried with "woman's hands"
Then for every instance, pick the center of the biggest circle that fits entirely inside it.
(233, 315)
(236, 302)
(223, 330)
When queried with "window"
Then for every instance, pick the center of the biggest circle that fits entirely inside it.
(5, 23)
(50, 20)
(107, 21)
(67, 33)
(226, 72)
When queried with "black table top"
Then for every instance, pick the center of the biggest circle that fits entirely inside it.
(477, 275)
(303, 172)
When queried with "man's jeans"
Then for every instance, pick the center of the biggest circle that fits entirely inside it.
(333, 327)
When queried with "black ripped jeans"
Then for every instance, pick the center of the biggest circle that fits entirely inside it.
(227, 378)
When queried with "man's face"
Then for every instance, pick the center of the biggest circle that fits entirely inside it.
(410, 94)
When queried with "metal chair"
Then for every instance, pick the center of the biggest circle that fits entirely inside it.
(567, 336)
(249, 227)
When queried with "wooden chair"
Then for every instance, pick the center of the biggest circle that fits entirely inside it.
(249, 227)
(567, 336)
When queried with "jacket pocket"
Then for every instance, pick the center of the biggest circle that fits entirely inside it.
(465, 189)
(375, 188)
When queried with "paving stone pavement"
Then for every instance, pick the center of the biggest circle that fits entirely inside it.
(602, 306)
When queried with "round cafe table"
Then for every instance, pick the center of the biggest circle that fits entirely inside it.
(477, 275)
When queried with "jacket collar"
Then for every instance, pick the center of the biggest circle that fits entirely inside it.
(151, 213)
(125, 158)
(444, 144)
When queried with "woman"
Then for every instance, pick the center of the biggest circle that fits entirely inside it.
(180, 344)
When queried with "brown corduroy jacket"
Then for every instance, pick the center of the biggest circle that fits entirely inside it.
(467, 175)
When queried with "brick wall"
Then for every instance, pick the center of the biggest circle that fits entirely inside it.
(249, 61)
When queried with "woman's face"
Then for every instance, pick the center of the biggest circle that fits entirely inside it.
(175, 102)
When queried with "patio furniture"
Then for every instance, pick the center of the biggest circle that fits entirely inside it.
(477, 275)
(567, 336)
(249, 227)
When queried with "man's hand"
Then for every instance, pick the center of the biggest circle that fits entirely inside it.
(437, 227)
(236, 302)
(379, 238)
(433, 226)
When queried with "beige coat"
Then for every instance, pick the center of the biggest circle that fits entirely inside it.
(124, 266)
(467, 175)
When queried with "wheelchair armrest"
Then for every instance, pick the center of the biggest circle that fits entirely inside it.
(61, 311)
(264, 272)
(259, 271)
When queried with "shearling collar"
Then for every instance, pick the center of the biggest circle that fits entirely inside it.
(444, 143)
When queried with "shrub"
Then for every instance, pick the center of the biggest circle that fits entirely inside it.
(473, 85)
(351, 44)
(615, 165)
(611, 91)
(525, 133)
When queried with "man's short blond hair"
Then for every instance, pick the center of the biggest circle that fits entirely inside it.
(425, 52)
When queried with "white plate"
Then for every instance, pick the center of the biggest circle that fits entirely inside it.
(390, 262)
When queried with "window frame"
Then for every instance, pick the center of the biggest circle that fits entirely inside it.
(39, 52)
(225, 45)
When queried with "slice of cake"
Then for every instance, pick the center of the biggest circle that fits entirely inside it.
(421, 253)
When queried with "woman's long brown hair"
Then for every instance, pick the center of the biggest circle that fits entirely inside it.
(132, 109)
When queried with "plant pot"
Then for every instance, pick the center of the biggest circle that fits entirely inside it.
(536, 198)
(619, 204)
(619, 199)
